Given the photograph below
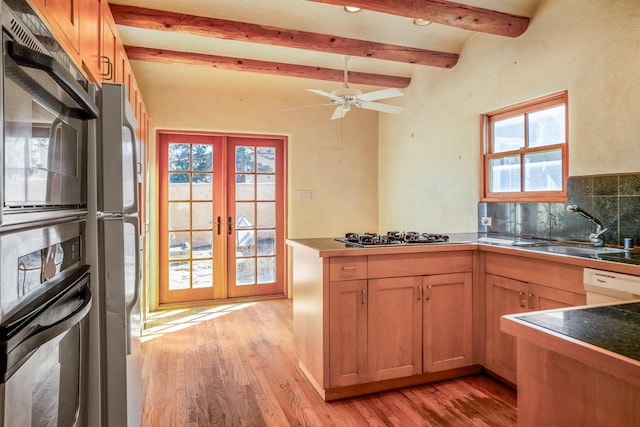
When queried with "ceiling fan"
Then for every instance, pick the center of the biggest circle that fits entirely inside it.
(344, 97)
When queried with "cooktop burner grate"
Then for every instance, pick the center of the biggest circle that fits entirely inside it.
(392, 238)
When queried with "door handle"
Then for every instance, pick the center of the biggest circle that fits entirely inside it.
(522, 299)
(218, 222)
(229, 225)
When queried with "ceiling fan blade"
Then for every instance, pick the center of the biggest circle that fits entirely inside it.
(307, 106)
(339, 112)
(378, 106)
(380, 94)
(327, 94)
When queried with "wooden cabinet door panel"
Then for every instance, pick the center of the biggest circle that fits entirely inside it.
(347, 332)
(394, 328)
(447, 321)
(65, 13)
(546, 298)
(504, 296)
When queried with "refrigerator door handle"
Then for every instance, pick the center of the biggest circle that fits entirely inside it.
(136, 289)
(133, 209)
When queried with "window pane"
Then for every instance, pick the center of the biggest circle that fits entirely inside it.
(245, 215)
(178, 186)
(179, 157)
(245, 187)
(266, 187)
(179, 215)
(245, 271)
(179, 245)
(202, 216)
(547, 127)
(202, 187)
(179, 275)
(202, 157)
(543, 171)
(266, 214)
(266, 159)
(266, 270)
(508, 134)
(266, 242)
(245, 243)
(504, 174)
(245, 159)
(202, 247)
(202, 274)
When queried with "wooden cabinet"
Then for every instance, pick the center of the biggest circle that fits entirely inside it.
(91, 37)
(109, 52)
(64, 16)
(507, 295)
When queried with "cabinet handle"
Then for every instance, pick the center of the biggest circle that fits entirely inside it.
(364, 296)
(350, 268)
(429, 293)
(531, 298)
(108, 75)
(522, 299)
(420, 290)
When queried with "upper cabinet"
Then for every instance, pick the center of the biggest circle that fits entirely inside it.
(64, 19)
(90, 37)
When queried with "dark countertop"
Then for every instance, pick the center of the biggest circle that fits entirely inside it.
(613, 327)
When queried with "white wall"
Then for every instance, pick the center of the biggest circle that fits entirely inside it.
(430, 155)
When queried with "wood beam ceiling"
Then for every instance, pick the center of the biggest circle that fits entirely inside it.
(239, 31)
(446, 13)
(239, 64)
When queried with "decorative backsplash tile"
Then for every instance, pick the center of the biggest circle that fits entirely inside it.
(613, 199)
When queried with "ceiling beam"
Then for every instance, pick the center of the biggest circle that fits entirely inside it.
(446, 13)
(230, 30)
(239, 64)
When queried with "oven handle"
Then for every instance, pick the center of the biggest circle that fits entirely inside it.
(34, 59)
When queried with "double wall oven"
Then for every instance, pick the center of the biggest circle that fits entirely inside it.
(45, 286)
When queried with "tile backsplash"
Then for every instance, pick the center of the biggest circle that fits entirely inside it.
(612, 199)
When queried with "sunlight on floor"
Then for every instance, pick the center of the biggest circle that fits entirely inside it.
(179, 319)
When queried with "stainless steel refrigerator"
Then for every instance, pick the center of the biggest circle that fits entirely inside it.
(119, 260)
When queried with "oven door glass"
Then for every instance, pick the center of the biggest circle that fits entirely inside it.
(44, 144)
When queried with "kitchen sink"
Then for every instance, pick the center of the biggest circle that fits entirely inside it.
(577, 250)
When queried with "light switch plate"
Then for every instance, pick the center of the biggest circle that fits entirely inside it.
(304, 194)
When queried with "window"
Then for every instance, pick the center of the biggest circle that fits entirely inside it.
(526, 151)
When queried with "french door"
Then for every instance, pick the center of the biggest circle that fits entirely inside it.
(222, 217)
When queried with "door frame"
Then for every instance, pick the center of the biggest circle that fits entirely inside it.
(154, 217)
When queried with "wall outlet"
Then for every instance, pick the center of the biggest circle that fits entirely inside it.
(485, 220)
(304, 194)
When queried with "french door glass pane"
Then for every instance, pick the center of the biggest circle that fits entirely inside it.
(202, 156)
(179, 245)
(266, 159)
(179, 275)
(543, 171)
(508, 134)
(179, 159)
(547, 127)
(504, 174)
(202, 215)
(266, 214)
(266, 187)
(245, 215)
(245, 159)
(202, 274)
(202, 188)
(245, 243)
(179, 186)
(245, 271)
(245, 187)
(266, 270)
(179, 215)
(266, 242)
(202, 244)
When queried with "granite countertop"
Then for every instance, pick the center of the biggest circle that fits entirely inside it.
(613, 327)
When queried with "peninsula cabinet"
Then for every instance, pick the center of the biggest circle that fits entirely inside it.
(510, 289)
(376, 322)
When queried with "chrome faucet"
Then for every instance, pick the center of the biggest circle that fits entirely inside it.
(600, 229)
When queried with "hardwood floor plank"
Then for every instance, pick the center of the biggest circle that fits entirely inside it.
(234, 365)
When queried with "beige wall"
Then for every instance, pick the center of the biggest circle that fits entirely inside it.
(429, 155)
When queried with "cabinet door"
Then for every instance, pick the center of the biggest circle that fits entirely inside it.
(504, 296)
(394, 330)
(90, 37)
(347, 332)
(65, 14)
(545, 298)
(109, 68)
(447, 321)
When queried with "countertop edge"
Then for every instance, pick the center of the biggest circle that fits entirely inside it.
(591, 355)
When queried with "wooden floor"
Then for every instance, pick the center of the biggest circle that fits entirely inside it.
(233, 365)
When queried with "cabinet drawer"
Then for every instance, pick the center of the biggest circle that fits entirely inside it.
(420, 264)
(347, 268)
